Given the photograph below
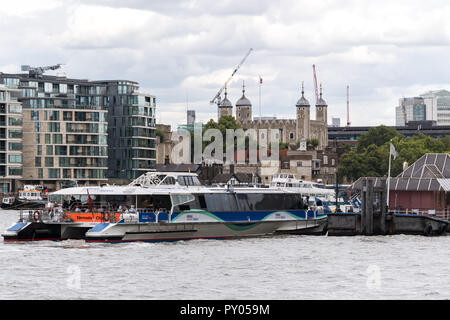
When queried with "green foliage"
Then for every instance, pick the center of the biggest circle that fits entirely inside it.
(224, 123)
(281, 145)
(377, 136)
(313, 142)
(159, 134)
(371, 157)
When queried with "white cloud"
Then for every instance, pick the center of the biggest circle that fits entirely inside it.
(186, 50)
(26, 8)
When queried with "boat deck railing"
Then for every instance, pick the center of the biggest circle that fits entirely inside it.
(443, 214)
(70, 216)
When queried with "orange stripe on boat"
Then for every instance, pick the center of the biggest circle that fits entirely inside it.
(92, 216)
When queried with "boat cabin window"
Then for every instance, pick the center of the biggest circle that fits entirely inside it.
(188, 181)
(168, 181)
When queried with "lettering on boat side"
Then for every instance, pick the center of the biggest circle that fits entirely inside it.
(228, 309)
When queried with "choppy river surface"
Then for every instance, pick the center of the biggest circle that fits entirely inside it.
(281, 267)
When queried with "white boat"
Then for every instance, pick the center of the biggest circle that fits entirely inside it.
(169, 206)
(309, 189)
(8, 201)
(31, 193)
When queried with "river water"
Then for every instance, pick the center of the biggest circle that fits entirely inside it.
(279, 267)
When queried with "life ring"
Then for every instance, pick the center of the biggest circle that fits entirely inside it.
(36, 215)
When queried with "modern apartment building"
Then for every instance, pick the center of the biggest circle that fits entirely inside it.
(10, 136)
(81, 130)
(131, 130)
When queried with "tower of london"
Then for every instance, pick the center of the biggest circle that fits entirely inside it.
(291, 130)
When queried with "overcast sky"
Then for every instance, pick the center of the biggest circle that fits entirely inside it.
(183, 51)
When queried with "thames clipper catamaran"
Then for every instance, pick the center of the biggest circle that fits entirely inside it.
(167, 207)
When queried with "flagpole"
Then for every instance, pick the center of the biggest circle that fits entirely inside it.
(260, 99)
(389, 174)
(389, 178)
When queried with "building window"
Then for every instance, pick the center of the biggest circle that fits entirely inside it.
(34, 115)
(49, 161)
(15, 158)
(291, 135)
(67, 173)
(15, 146)
(67, 116)
(40, 173)
(54, 173)
(325, 160)
(37, 161)
(15, 133)
(60, 150)
(57, 139)
(15, 171)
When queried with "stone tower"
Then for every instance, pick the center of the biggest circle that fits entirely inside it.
(225, 107)
(322, 118)
(321, 109)
(303, 116)
(243, 108)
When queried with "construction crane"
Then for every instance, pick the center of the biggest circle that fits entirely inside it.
(217, 96)
(348, 106)
(315, 83)
(38, 72)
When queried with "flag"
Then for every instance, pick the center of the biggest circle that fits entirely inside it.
(392, 151)
(260, 79)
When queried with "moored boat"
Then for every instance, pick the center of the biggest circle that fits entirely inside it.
(169, 207)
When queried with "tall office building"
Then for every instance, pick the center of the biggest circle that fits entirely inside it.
(190, 117)
(438, 106)
(410, 109)
(10, 136)
(81, 130)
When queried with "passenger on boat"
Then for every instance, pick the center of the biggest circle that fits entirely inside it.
(65, 204)
(78, 208)
(120, 209)
(72, 203)
(58, 213)
(132, 210)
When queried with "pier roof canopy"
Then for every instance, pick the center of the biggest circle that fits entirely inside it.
(430, 173)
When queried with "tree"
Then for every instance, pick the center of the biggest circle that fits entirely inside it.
(377, 136)
(313, 142)
(160, 134)
(371, 157)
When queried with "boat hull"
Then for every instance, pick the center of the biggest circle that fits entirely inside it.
(155, 232)
(38, 231)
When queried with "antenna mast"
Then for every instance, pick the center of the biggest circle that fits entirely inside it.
(348, 106)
